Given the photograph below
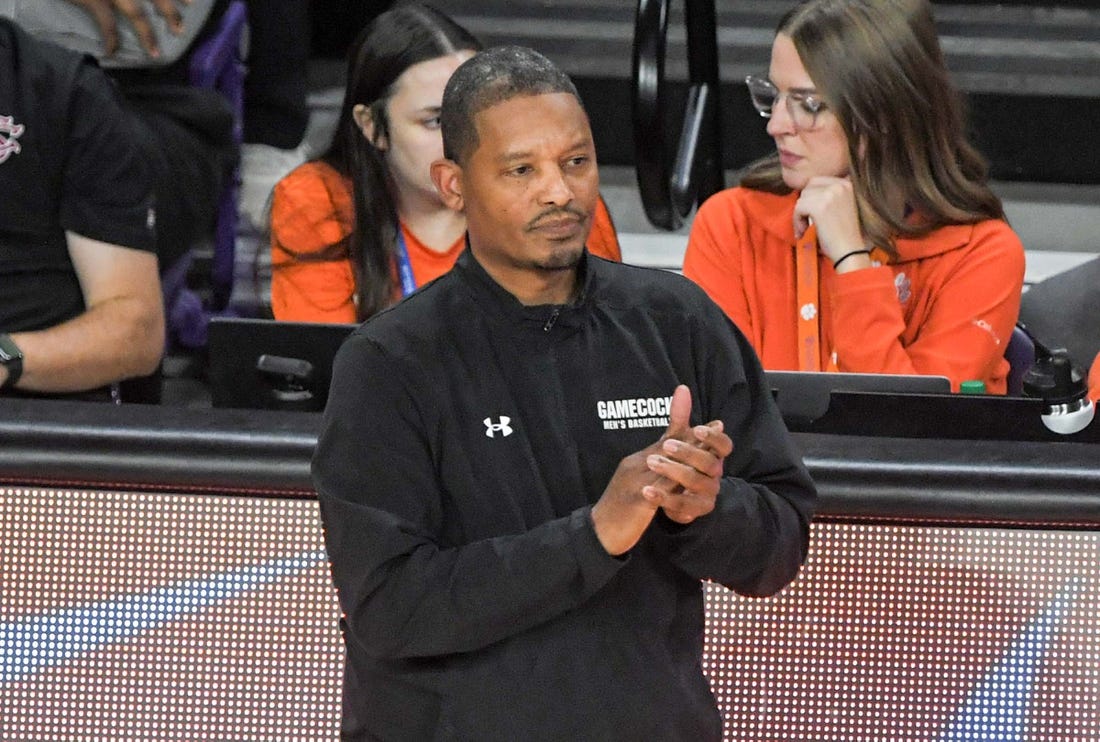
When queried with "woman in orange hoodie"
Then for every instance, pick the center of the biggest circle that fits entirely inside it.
(870, 241)
(357, 229)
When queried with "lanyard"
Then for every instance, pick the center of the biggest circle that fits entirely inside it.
(807, 292)
(404, 267)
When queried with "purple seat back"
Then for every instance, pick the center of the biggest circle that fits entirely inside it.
(218, 64)
(1020, 355)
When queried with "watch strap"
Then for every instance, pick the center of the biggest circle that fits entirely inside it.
(11, 358)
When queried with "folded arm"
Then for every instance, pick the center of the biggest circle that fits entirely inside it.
(967, 327)
(119, 335)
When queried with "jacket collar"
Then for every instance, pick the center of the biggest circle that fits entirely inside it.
(499, 304)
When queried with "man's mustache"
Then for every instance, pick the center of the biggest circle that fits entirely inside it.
(556, 212)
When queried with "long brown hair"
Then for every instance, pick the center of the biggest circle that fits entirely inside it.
(880, 69)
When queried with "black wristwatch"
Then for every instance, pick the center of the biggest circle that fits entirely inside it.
(11, 358)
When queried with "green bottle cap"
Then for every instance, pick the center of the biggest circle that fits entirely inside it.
(974, 386)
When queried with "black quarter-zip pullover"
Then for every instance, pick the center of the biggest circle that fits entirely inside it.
(467, 437)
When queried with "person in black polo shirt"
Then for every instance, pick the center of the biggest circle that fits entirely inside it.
(80, 301)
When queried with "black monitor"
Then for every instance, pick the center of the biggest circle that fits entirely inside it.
(901, 406)
(266, 364)
(807, 395)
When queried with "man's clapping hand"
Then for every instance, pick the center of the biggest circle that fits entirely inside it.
(680, 473)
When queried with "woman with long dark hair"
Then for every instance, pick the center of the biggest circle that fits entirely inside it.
(870, 241)
(362, 226)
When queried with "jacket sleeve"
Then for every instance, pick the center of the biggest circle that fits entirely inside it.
(310, 218)
(409, 587)
(757, 537)
(966, 330)
(713, 259)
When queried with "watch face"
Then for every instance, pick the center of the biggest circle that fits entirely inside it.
(9, 351)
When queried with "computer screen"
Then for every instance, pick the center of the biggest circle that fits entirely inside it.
(266, 364)
(805, 396)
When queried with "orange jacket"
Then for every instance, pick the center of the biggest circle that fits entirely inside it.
(946, 306)
(312, 209)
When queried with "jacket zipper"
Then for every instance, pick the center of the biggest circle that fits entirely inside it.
(553, 318)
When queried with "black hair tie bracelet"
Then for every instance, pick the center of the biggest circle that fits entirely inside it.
(844, 257)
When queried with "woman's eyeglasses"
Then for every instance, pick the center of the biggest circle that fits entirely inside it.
(803, 106)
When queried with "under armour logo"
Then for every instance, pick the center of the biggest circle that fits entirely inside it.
(9, 136)
(503, 427)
